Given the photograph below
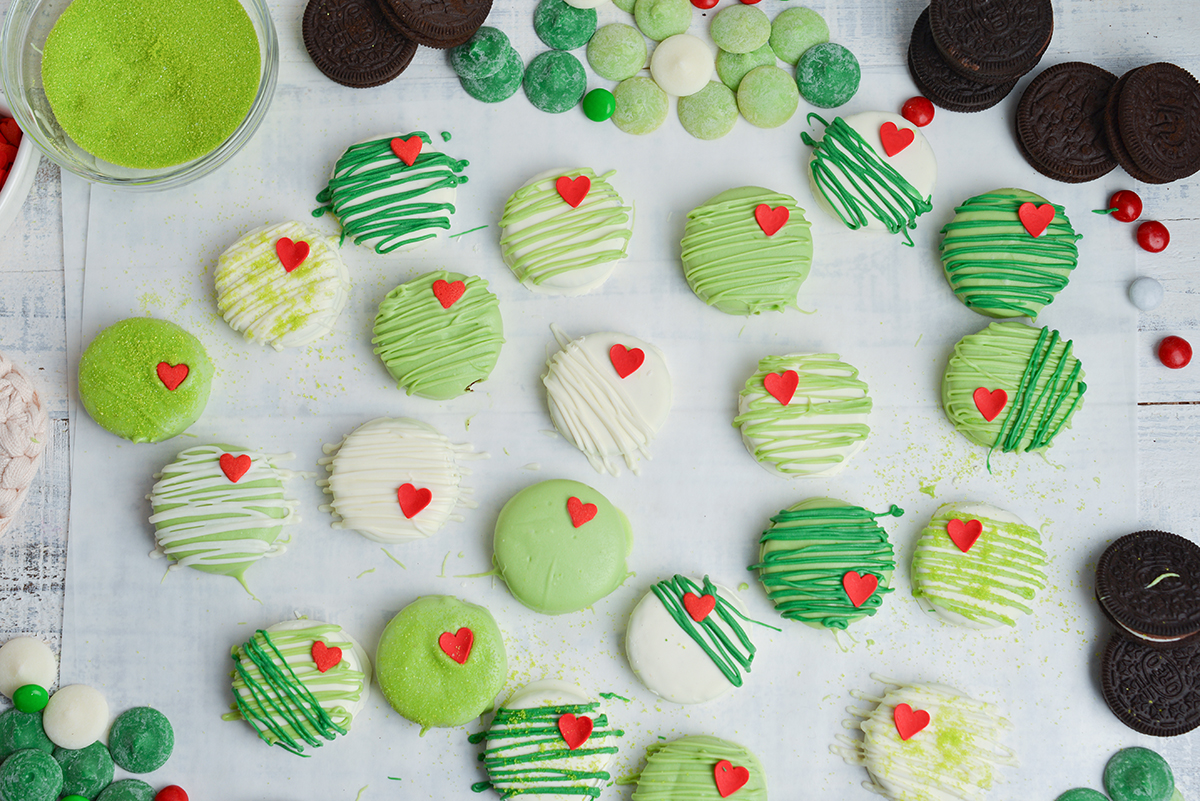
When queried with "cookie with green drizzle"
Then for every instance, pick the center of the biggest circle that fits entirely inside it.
(700, 768)
(977, 566)
(563, 231)
(1012, 387)
(299, 683)
(747, 250)
(394, 192)
(439, 334)
(826, 563)
(872, 170)
(1008, 252)
(548, 739)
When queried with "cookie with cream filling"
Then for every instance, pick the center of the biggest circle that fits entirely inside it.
(700, 767)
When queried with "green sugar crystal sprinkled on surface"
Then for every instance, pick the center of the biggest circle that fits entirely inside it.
(796, 30)
(617, 52)
(641, 106)
(147, 84)
(710, 113)
(767, 97)
(732, 67)
(740, 29)
(660, 19)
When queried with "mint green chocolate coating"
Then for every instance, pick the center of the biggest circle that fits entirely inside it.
(828, 75)
(795, 30)
(740, 29)
(617, 52)
(86, 771)
(141, 740)
(120, 387)
(30, 775)
(660, 19)
(554, 81)
(641, 106)
(1082, 794)
(482, 55)
(21, 730)
(683, 769)
(732, 67)
(710, 113)
(127, 790)
(502, 84)
(767, 97)
(562, 26)
(1138, 774)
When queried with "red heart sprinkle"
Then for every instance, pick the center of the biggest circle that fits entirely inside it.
(408, 149)
(10, 131)
(291, 254)
(1035, 218)
(624, 360)
(895, 139)
(991, 403)
(573, 192)
(698, 606)
(457, 646)
(575, 730)
(324, 656)
(579, 511)
(781, 387)
(172, 375)
(234, 467)
(448, 293)
(859, 588)
(770, 219)
(909, 721)
(729, 779)
(964, 534)
(413, 500)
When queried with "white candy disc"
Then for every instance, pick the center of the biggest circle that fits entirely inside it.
(681, 65)
(1146, 293)
(76, 716)
(25, 660)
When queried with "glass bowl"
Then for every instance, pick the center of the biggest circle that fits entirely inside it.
(26, 27)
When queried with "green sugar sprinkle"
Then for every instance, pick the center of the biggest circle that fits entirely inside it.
(393, 558)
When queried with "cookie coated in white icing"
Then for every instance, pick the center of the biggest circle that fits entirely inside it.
(607, 417)
(368, 467)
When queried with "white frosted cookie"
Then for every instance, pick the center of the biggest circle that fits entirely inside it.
(75, 716)
(804, 414)
(855, 180)
(609, 394)
(395, 479)
(282, 285)
(25, 660)
(564, 231)
(680, 658)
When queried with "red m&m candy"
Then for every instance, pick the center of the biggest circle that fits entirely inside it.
(1174, 352)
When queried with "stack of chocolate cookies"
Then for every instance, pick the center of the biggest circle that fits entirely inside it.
(1152, 122)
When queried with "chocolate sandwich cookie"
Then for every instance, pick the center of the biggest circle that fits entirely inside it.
(436, 23)
(1060, 122)
(941, 84)
(351, 42)
(992, 42)
(1158, 114)
(1154, 691)
(1112, 133)
(1148, 582)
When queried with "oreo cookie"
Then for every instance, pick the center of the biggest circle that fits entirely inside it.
(1060, 122)
(1154, 691)
(1113, 133)
(992, 42)
(1158, 115)
(941, 84)
(436, 23)
(1148, 583)
(352, 44)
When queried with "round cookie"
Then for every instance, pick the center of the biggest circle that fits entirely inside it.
(549, 738)
(145, 380)
(482, 55)
(659, 19)
(732, 67)
(141, 740)
(441, 661)
(608, 394)
(856, 181)
(740, 28)
(710, 113)
(220, 509)
(1148, 583)
(563, 26)
(940, 83)
(394, 192)
(282, 285)
(804, 414)
(23, 423)
(561, 546)
(681, 64)
(700, 767)
(20, 731)
(641, 106)
(75, 717)
(1138, 774)
(352, 43)
(500, 85)
(686, 641)
(86, 771)
(1012, 387)
(977, 566)
(1152, 688)
(617, 52)
(439, 334)
(299, 682)
(30, 775)
(794, 31)
(438, 25)
(992, 43)
(554, 81)
(26, 660)
(826, 563)
(995, 265)
(767, 97)
(563, 231)
(1156, 110)
(828, 75)
(395, 479)
(127, 790)
(1060, 122)
(747, 250)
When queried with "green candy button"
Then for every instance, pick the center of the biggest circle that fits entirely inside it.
(1138, 774)
(599, 105)
(141, 740)
(73, 798)
(31, 698)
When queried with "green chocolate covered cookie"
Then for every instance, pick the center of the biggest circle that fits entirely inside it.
(702, 768)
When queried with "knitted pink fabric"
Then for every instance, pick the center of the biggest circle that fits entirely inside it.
(22, 438)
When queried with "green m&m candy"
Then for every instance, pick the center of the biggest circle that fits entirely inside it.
(599, 105)
(31, 698)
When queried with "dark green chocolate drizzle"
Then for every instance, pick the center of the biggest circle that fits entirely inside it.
(1032, 404)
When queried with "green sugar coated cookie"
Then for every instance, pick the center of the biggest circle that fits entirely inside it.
(502, 84)
(659, 19)
(482, 55)
(795, 30)
(732, 67)
(21, 730)
(617, 52)
(86, 771)
(141, 740)
(1082, 794)
(641, 106)
(126, 375)
(1138, 774)
(127, 790)
(554, 81)
(740, 29)
(424, 681)
(767, 97)
(563, 26)
(30, 775)
(828, 75)
(710, 113)
(146, 84)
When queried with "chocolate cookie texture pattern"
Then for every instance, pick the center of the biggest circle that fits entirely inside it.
(700, 768)
(22, 438)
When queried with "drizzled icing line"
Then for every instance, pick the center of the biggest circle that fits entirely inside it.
(682, 770)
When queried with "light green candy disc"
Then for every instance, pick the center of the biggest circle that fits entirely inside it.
(641, 106)
(740, 29)
(625, 5)
(710, 113)
(617, 52)
(659, 19)
(732, 67)
(796, 30)
(767, 97)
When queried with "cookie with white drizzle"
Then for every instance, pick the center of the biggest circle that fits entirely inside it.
(220, 509)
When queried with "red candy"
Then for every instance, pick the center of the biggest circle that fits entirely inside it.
(1125, 206)
(171, 793)
(1153, 236)
(1174, 352)
(917, 110)
(704, 5)
(10, 131)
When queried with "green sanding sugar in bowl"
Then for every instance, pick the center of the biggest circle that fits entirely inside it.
(148, 84)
